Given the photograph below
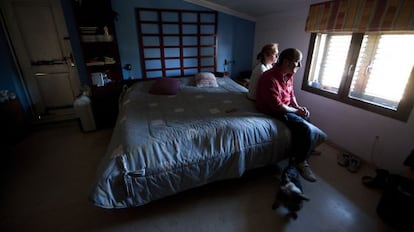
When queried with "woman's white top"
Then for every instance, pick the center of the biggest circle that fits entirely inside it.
(254, 78)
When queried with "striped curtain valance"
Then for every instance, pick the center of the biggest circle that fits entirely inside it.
(361, 16)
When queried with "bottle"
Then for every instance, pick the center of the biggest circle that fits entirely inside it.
(107, 36)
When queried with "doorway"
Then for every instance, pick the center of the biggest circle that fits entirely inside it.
(39, 36)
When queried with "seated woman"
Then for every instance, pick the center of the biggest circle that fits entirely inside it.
(267, 57)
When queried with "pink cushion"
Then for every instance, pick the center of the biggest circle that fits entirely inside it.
(205, 79)
(165, 86)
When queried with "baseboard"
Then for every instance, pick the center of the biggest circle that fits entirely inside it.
(344, 150)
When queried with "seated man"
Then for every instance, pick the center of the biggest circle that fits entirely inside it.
(275, 96)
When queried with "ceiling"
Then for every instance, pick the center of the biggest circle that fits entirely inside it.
(253, 9)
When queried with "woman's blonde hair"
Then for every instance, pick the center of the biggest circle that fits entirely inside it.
(267, 50)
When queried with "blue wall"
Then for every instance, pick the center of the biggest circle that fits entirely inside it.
(235, 35)
(9, 76)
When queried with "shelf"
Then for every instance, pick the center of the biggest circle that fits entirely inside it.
(95, 22)
(100, 63)
(97, 38)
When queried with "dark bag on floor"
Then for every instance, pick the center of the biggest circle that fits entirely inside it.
(397, 203)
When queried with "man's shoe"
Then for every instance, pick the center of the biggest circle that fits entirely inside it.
(354, 164)
(305, 171)
(343, 159)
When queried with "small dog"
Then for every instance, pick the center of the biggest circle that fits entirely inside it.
(290, 193)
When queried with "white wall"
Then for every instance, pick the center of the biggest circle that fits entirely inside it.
(382, 141)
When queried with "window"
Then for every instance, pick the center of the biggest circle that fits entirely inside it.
(373, 71)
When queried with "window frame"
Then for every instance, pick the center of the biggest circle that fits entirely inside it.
(405, 105)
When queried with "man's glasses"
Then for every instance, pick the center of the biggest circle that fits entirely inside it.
(297, 64)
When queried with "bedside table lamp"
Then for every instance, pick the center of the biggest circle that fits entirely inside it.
(226, 68)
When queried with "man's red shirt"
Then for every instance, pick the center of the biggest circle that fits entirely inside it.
(272, 91)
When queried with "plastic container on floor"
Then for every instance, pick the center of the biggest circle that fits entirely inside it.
(83, 109)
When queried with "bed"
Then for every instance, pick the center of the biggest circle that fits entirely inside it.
(165, 144)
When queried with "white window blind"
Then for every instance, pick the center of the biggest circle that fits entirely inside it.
(330, 59)
(383, 68)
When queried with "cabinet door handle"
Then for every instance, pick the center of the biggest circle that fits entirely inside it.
(70, 58)
(39, 74)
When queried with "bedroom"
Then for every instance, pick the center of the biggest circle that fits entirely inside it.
(342, 122)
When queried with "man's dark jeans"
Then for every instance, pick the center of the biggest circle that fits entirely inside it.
(305, 135)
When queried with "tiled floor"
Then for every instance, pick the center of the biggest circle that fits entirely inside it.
(47, 182)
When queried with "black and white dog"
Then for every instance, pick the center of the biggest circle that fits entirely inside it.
(290, 193)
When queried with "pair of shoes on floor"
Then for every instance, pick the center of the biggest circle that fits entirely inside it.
(351, 162)
(305, 171)
(380, 181)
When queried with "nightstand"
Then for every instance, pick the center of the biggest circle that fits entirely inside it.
(243, 81)
(105, 101)
(105, 104)
(244, 78)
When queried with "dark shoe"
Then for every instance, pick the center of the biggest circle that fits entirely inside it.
(305, 171)
(354, 164)
(380, 181)
(343, 159)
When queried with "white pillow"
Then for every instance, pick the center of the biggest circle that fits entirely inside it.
(205, 79)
